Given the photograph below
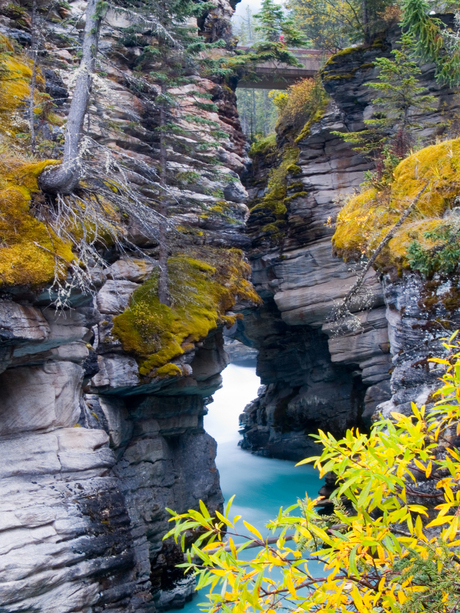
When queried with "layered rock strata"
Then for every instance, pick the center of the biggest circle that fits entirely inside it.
(315, 378)
(92, 450)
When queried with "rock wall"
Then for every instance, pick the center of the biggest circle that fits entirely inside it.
(92, 450)
(85, 478)
(315, 378)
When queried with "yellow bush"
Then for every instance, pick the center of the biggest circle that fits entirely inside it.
(367, 217)
(302, 104)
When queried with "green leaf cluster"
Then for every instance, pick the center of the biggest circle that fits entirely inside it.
(391, 543)
(443, 256)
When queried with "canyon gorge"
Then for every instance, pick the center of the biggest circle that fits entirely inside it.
(103, 397)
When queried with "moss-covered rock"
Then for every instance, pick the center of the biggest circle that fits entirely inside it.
(30, 252)
(263, 146)
(203, 289)
(367, 217)
(15, 76)
(269, 212)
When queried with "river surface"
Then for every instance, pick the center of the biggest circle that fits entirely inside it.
(260, 485)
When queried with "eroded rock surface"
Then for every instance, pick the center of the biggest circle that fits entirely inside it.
(92, 451)
(313, 377)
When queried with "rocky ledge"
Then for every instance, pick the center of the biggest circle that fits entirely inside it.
(313, 377)
(101, 413)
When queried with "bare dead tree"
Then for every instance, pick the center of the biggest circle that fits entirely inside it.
(64, 178)
(163, 281)
(33, 81)
(342, 312)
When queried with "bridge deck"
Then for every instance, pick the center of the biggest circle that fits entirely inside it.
(276, 75)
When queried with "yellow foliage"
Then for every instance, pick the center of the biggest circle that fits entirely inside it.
(367, 217)
(378, 552)
(15, 76)
(303, 103)
(29, 251)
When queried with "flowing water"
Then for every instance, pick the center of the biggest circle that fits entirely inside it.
(260, 485)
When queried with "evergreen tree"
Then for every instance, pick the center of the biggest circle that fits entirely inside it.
(389, 133)
(335, 24)
(273, 26)
(269, 21)
(434, 42)
(175, 58)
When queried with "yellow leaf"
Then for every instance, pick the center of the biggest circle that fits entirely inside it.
(253, 530)
(290, 586)
(438, 521)
(428, 469)
(402, 597)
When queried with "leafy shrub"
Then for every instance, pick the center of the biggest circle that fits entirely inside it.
(299, 104)
(443, 257)
(391, 543)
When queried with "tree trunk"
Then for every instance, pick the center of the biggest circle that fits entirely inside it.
(34, 51)
(254, 115)
(163, 282)
(265, 108)
(365, 20)
(64, 178)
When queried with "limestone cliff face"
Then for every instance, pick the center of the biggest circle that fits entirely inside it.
(95, 440)
(313, 377)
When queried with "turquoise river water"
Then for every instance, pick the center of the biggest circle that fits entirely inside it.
(260, 485)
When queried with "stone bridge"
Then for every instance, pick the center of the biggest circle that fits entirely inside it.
(276, 75)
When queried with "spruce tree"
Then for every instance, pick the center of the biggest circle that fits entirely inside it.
(274, 26)
(388, 136)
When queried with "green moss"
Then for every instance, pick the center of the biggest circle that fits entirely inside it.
(367, 217)
(169, 370)
(296, 195)
(298, 185)
(273, 200)
(341, 53)
(348, 75)
(315, 117)
(263, 146)
(294, 169)
(203, 289)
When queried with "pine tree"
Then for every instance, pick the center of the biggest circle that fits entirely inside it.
(270, 19)
(388, 136)
(273, 26)
(434, 42)
(175, 59)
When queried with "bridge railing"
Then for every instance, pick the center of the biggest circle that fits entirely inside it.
(277, 75)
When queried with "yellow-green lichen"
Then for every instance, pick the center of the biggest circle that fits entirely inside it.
(203, 288)
(30, 252)
(263, 146)
(15, 76)
(169, 370)
(314, 118)
(273, 200)
(367, 217)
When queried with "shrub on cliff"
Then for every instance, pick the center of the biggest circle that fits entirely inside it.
(366, 218)
(393, 545)
(388, 136)
(301, 104)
